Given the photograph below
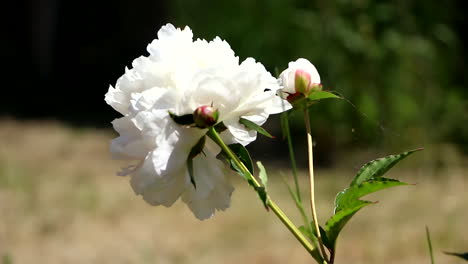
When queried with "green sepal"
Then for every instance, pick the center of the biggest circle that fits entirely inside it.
(252, 126)
(197, 149)
(301, 102)
(190, 171)
(220, 127)
(320, 95)
(184, 120)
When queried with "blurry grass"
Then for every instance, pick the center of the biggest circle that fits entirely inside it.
(61, 203)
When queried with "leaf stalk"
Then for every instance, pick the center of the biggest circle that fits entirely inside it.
(270, 203)
(311, 182)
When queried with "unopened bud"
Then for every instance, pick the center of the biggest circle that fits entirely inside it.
(205, 116)
(302, 81)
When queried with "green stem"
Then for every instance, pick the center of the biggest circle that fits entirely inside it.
(291, 154)
(298, 200)
(312, 187)
(272, 205)
(429, 244)
(332, 256)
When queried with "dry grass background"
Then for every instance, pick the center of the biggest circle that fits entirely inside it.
(60, 203)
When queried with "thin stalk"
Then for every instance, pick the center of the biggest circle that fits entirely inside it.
(291, 154)
(298, 196)
(429, 244)
(311, 180)
(272, 205)
(332, 257)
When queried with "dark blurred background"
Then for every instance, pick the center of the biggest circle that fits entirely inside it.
(401, 64)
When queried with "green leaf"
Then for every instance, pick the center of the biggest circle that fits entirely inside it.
(325, 239)
(262, 174)
(350, 197)
(293, 195)
(261, 191)
(460, 255)
(368, 180)
(184, 120)
(319, 95)
(243, 154)
(7, 259)
(335, 224)
(379, 167)
(252, 126)
(313, 235)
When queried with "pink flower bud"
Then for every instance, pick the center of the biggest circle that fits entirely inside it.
(301, 77)
(205, 116)
(302, 81)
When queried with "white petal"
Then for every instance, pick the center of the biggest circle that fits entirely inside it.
(257, 119)
(212, 192)
(155, 169)
(212, 91)
(167, 192)
(129, 144)
(117, 99)
(240, 133)
(169, 156)
(128, 148)
(278, 105)
(155, 98)
(287, 81)
(178, 76)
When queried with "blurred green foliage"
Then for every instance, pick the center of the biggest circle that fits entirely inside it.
(399, 62)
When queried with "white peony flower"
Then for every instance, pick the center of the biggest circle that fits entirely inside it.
(179, 77)
(301, 76)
